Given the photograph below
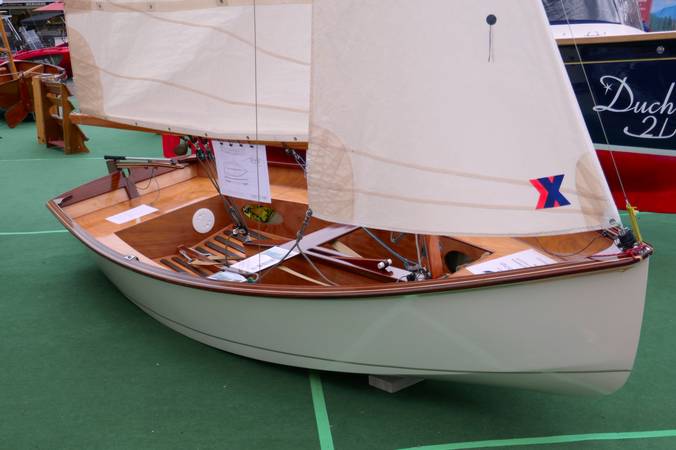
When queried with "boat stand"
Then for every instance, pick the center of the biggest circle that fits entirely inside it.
(392, 385)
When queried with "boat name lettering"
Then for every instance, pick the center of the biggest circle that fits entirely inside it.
(623, 101)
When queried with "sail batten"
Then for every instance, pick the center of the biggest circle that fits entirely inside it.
(430, 117)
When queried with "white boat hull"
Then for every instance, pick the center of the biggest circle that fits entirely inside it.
(567, 334)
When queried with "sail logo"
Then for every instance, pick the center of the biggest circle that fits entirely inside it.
(655, 124)
(550, 192)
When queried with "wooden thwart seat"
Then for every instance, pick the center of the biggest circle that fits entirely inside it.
(221, 250)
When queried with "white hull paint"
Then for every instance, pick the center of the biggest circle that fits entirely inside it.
(575, 334)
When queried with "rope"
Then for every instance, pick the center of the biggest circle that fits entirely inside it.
(591, 92)
(301, 231)
(563, 255)
(408, 264)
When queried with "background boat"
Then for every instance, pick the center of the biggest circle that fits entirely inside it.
(629, 75)
(42, 45)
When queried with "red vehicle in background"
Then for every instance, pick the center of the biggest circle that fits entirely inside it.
(57, 56)
(32, 49)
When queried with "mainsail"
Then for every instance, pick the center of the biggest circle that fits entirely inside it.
(231, 69)
(448, 116)
(435, 116)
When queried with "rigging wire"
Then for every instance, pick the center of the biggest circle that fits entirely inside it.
(627, 235)
(591, 92)
(157, 185)
(255, 39)
(312, 264)
(408, 264)
(152, 176)
(206, 158)
(562, 255)
(296, 245)
(426, 253)
(417, 250)
(301, 232)
(151, 179)
(258, 180)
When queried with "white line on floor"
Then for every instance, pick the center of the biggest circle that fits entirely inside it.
(30, 233)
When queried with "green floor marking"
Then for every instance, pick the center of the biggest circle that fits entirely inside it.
(640, 213)
(30, 233)
(321, 415)
(550, 440)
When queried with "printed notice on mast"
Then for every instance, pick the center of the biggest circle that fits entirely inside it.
(242, 171)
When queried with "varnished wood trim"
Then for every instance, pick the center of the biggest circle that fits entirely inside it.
(315, 292)
(109, 183)
(86, 119)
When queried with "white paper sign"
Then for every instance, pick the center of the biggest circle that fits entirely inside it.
(519, 260)
(242, 171)
(131, 214)
(263, 260)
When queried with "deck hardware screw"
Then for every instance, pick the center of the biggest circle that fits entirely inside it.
(660, 50)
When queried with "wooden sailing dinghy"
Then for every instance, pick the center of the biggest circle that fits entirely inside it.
(386, 254)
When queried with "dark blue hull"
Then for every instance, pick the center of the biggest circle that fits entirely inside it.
(633, 83)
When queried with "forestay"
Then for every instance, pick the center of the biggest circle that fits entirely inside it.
(427, 119)
(190, 66)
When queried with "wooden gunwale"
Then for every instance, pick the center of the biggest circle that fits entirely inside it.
(29, 67)
(108, 183)
(337, 292)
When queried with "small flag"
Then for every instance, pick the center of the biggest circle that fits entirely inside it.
(550, 192)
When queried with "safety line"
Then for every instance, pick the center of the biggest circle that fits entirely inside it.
(550, 440)
(321, 415)
(30, 233)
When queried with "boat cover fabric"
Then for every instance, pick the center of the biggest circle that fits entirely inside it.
(189, 66)
(426, 119)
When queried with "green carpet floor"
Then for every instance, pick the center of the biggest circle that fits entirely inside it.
(83, 368)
